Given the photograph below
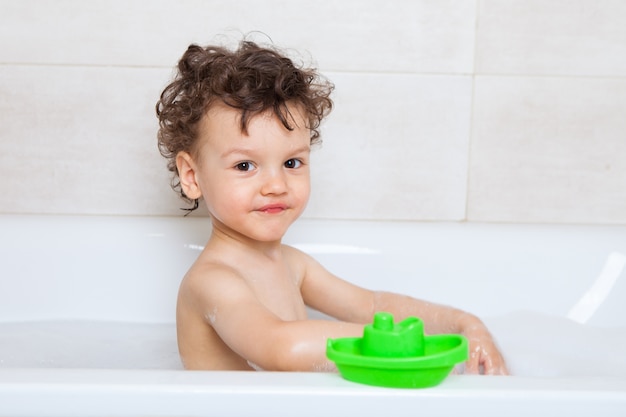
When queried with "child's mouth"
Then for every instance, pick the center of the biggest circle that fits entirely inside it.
(273, 208)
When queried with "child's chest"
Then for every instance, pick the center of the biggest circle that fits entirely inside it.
(278, 289)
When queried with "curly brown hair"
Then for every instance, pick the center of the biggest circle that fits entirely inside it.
(251, 78)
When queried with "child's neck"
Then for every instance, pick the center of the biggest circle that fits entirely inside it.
(233, 241)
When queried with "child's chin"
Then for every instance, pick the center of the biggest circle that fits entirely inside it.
(271, 234)
(269, 237)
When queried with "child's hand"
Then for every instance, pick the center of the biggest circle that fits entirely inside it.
(484, 356)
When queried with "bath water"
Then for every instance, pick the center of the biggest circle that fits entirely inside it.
(88, 344)
(533, 344)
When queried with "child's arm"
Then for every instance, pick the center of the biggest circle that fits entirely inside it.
(484, 355)
(345, 301)
(255, 333)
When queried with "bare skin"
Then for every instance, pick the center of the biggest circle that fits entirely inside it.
(242, 305)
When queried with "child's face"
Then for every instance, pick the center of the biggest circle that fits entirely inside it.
(254, 184)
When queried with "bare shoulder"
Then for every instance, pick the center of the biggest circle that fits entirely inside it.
(208, 278)
(291, 251)
(303, 264)
(294, 255)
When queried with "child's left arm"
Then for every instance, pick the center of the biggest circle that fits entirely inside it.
(348, 302)
(485, 357)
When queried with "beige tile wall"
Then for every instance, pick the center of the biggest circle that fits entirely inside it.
(549, 149)
(549, 124)
(503, 110)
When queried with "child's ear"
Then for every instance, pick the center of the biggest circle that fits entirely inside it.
(187, 175)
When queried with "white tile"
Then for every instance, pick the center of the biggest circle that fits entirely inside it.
(395, 147)
(355, 35)
(569, 37)
(548, 150)
(81, 140)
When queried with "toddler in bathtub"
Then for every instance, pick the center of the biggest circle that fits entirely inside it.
(236, 127)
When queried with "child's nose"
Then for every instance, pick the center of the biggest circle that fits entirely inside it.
(274, 182)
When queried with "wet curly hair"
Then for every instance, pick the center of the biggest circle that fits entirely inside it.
(251, 78)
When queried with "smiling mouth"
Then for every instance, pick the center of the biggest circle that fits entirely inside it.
(273, 208)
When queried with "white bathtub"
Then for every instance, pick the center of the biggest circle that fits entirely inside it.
(87, 318)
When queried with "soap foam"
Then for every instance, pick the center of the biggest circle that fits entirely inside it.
(535, 344)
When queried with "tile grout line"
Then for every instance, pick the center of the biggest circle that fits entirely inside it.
(470, 133)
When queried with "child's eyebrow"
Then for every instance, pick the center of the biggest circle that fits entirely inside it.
(247, 151)
(301, 149)
(242, 151)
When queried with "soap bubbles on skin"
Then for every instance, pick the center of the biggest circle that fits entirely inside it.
(212, 316)
(254, 366)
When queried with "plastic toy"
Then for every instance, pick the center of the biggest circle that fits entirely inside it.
(397, 355)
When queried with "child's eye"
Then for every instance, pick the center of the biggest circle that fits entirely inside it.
(293, 163)
(244, 166)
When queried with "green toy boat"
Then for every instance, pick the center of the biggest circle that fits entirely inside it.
(397, 355)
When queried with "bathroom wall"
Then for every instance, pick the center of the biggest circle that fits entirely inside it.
(446, 110)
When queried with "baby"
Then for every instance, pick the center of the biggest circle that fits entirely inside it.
(237, 127)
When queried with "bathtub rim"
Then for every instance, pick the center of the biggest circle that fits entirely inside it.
(106, 392)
